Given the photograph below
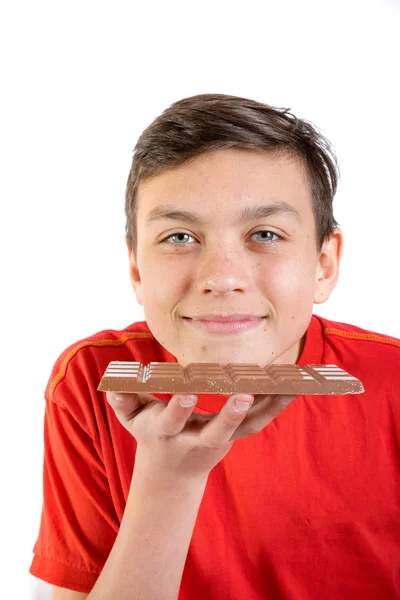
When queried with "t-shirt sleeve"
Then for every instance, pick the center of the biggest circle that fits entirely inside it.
(79, 523)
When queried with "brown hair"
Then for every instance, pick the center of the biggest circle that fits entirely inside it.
(206, 122)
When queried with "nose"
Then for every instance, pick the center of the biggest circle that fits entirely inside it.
(222, 271)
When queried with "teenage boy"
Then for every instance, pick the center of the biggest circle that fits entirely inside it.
(231, 240)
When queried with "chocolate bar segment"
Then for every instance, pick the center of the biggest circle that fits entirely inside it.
(212, 378)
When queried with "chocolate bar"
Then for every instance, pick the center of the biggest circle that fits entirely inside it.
(212, 378)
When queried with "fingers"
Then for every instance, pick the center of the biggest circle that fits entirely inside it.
(222, 427)
(228, 425)
(264, 410)
(172, 419)
(271, 406)
(127, 406)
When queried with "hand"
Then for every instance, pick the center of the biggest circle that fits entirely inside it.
(175, 442)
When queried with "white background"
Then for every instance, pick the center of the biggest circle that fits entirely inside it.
(80, 81)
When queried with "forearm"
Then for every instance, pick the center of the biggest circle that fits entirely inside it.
(149, 553)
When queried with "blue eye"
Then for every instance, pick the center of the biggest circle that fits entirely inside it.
(177, 235)
(270, 232)
(262, 231)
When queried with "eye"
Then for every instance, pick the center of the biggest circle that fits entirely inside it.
(175, 235)
(270, 233)
(181, 234)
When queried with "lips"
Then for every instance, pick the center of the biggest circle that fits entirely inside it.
(224, 327)
(226, 318)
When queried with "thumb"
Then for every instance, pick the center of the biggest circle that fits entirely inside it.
(127, 406)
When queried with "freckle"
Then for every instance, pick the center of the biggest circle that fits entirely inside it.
(273, 353)
(293, 317)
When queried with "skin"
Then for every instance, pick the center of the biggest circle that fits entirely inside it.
(226, 268)
(221, 268)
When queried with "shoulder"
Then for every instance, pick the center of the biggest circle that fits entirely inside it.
(368, 353)
(365, 340)
(86, 359)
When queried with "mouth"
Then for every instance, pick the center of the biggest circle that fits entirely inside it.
(226, 326)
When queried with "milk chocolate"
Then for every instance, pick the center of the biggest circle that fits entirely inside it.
(212, 378)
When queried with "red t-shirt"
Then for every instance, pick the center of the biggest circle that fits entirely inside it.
(308, 508)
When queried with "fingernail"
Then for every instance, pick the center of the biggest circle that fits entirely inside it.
(187, 400)
(115, 397)
(242, 405)
(287, 399)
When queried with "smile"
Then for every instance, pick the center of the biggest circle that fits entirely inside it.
(224, 328)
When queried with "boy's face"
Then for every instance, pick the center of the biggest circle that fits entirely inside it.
(221, 266)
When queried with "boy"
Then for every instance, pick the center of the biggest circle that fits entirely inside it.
(231, 239)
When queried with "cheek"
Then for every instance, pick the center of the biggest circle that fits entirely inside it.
(162, 281)
(288, 279)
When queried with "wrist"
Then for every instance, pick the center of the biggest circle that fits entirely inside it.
(146, 473)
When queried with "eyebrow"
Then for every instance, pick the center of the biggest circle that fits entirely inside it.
(247, 213)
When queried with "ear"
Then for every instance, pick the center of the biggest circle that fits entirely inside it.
(327, 272)
(134, 272)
